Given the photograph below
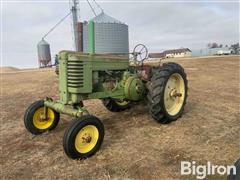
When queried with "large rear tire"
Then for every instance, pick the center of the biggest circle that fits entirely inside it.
(167, 92)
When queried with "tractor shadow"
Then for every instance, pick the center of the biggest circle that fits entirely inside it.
(119, 123)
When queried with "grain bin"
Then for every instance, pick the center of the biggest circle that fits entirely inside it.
(109, 35)
(44, 54)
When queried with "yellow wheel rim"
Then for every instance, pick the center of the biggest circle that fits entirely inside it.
(174, 94)
(86, 139)
(38, 120)
(122, 102)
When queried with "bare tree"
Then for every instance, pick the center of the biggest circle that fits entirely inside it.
(214, 45)
(235, 48)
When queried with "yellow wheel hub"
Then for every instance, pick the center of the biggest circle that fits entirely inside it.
(41, 123)
(86, 139)
(122, 102)
(174, 94)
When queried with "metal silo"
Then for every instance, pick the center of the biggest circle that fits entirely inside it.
(85, 37)
(44, 54)
(110, 35)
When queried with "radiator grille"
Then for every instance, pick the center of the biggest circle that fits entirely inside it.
(75, 74)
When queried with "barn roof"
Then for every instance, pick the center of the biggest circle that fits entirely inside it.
(172, 51)
(177, 51)
(156, 55)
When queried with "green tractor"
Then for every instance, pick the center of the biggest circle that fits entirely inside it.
(118, 82)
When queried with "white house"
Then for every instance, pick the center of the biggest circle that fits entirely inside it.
(174, 53)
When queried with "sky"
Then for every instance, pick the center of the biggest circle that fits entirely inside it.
(160, 25)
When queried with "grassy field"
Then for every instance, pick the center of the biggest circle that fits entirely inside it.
(135, 146)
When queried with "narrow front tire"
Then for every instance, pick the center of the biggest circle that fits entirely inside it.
(84, 137)
(33, 118)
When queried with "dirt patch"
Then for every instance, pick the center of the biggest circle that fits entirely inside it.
(135, 146)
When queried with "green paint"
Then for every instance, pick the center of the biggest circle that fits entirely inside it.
(84, 76)
(134, 88)
(59, 107)
(63, 90)
(77, 69)
(91, 38)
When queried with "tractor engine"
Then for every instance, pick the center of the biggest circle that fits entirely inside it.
(107, 79)
(84, 76)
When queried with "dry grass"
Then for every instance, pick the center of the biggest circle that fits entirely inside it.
(8, 69)
(135, 146)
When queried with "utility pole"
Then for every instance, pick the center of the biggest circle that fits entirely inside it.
(75, 23)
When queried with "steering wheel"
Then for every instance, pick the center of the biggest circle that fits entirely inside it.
(140, 53)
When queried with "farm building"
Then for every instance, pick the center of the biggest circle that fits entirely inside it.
(219, 51)
(174, 53)
(156, 55)
(211, 51)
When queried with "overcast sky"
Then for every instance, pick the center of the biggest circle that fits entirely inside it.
(160, 25)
